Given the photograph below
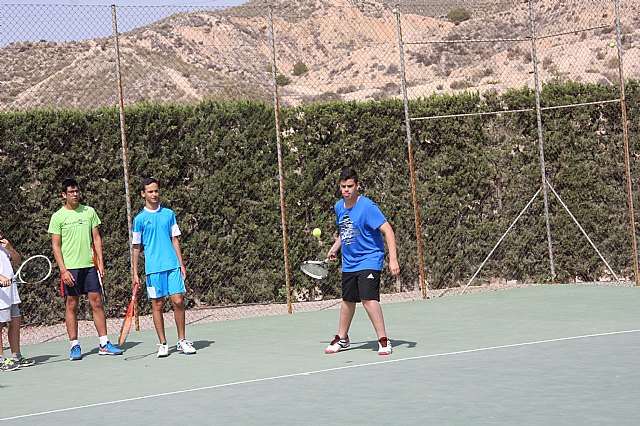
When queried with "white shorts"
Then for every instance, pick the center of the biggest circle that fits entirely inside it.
(12, 311)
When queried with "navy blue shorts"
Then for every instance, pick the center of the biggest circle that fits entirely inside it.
(86, 282)
(361, 285)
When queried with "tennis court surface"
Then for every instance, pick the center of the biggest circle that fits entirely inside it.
(554, 354)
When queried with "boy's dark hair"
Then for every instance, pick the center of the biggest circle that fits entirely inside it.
(67, 183)
(147, 181)
(348, 173)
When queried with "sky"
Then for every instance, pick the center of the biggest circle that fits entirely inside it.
(65, 20)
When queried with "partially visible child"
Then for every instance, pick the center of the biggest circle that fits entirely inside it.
(9, 309)
(156, 231)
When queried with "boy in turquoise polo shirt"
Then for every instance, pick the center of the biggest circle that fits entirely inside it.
(156, 230)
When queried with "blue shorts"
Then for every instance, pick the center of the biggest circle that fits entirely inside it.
(86, 281)
(165, 283)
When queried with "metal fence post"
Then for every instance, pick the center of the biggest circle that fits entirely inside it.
(283, 207)
(534, 60)
(623, 108)
(407, 121)
(125, 151)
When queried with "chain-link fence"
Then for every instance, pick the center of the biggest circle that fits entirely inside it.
(165, 92)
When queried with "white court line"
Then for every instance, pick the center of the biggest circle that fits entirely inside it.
(264, 379)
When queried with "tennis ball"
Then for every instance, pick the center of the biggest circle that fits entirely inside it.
(612, 44)
(316, 232)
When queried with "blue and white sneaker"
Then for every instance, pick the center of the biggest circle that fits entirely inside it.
(76, 353)
(109, 349)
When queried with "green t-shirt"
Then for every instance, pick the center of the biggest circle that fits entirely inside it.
(74, 227)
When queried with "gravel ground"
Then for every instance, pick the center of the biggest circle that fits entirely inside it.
(41, 334)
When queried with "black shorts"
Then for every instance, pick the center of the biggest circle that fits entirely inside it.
(361, 285)
(86, 282)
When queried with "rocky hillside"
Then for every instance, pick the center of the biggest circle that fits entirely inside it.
(325, 50)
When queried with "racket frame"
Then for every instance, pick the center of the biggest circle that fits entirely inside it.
(128, 318)
(17, 278)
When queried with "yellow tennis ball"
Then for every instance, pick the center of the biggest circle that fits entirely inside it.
(316, 232)
(612, 44)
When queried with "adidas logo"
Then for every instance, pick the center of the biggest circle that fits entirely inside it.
(370, 276)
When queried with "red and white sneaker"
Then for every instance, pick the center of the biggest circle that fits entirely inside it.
(337, 345)
(384, 346)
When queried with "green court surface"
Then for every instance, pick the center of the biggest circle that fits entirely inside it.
(539, 355)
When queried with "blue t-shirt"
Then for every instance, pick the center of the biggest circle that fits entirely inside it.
(154, 229)
(362, 243)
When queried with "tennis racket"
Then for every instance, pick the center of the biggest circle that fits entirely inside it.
(318, 269)
(128, 318)
(95, 264)
(34, 270)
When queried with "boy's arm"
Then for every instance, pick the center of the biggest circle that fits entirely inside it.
(14, 256)
(333, 251)
(390, 238)
(134, 264)
(176, 246)
(56, 245)
(97, 247)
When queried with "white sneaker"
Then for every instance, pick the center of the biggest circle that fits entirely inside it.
(163, 350)
(185, 346)
(384, 346)
(337, 344)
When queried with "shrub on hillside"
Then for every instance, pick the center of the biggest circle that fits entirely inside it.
(459, 14)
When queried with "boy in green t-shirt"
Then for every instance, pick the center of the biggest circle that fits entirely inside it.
(73, 229)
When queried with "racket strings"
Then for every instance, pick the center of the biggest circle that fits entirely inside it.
(315, 269)
(34, 270)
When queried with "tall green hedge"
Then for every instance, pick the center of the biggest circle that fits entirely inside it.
(218, 168)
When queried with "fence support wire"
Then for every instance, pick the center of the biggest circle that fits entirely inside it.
(583, 231)
(518, 218)
(500, 240)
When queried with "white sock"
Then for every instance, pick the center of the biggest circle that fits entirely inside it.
(104, 340)
(74, 342)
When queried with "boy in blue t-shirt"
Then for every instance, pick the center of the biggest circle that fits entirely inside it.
(361, 225)
(155, 229)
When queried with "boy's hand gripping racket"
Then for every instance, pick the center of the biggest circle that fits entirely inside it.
(318, 269)
(128, 318)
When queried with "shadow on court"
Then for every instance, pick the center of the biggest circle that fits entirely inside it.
(199, 345)
(484, 358)
(44, 359)
(373, 345)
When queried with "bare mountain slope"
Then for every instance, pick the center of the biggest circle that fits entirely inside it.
(325, 50)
